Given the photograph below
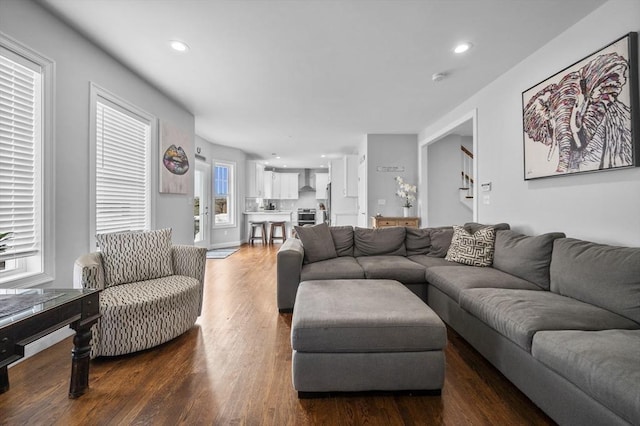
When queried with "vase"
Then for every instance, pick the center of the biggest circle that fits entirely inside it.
(406, 211)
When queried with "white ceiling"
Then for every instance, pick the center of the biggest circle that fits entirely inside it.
(309, 77)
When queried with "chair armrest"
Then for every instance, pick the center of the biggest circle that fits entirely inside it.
(289, 266)
(88, 272)
(189, 261)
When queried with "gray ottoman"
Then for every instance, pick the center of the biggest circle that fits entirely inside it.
(364, 335)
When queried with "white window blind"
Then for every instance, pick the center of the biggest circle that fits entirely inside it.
(20, 115)
(122, 169)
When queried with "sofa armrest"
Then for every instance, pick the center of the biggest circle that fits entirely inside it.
(190, 261)
(289, 266)
(88, 272)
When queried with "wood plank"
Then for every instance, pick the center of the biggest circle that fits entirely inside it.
(234, 367)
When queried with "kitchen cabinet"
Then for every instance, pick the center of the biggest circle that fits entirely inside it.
(280, 186)
(350, 176)
(288, 186)
(268, 185)
(322, 180)
(255, 179)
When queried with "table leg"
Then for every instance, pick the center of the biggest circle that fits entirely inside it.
(4, 379)
(80, 361)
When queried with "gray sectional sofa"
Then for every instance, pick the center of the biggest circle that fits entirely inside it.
(559, 317)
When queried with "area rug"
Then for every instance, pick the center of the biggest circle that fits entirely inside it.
(221, 253)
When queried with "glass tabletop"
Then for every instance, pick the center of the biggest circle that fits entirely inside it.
(19, 303)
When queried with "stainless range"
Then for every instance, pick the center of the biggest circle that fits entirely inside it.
(306, 217)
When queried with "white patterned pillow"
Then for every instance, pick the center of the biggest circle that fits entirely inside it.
(472, 249)
(135, 256)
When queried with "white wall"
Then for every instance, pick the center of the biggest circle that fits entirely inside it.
(603, 207)
(341, 205)
(443, 196)
(227, 236)
(390, 151)
(79, 62)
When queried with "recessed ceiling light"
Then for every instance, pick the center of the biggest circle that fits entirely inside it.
(278, 157)
(323, 156)
(178, 46)
(284, 165)
(266, 162)
(462, 47)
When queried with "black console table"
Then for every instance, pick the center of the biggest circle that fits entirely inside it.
(29, 314)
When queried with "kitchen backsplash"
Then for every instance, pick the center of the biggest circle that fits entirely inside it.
(307, 200)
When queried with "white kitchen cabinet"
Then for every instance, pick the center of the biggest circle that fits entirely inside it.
(255, 179)
(350, 176)
(268, 185)
(288, 186)
(322, 180)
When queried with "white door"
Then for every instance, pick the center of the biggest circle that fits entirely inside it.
(201, 205)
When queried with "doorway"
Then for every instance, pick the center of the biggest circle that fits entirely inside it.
(201, 205)
(442, 164)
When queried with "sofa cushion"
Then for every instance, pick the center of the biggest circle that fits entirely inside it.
(603, 275)
(440, 241)
(429, 262)
(380, 241)
(603, 364)
(332, 269)
(392, 268)
(451, 280)
(519, 314)
(472, 249)
(525, 257)
(342, 239)
(363, 316)
(417, 241)
(317, 242)
(135, 256)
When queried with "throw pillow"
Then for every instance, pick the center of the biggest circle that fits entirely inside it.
(135, 256)
(380, 241)
(526, 257)
(472, 227)
(317, 242)
(472, 249)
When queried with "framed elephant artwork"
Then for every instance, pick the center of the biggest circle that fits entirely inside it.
(582, 118)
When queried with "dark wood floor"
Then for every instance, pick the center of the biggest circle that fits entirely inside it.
(234, 368)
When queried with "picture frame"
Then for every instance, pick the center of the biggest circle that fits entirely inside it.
(584, 118)
(174, 154)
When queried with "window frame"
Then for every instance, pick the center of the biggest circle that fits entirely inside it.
(45, 174)
(96, 93)
(232, 196)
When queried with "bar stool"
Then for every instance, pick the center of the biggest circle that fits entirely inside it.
(272, 231)
(262, 226)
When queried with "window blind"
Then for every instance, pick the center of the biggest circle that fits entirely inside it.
(20, 116)
(122, 171)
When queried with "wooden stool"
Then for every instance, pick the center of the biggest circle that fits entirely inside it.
(274, 226)
(263, 232)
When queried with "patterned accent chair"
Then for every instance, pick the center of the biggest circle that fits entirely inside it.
(150, 290)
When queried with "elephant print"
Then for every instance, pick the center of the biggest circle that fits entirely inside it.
(582, 118)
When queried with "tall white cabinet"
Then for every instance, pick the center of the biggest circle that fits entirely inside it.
(255, 179)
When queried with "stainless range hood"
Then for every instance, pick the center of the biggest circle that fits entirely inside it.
(307, 182)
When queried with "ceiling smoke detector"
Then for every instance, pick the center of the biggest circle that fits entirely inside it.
(439, 76)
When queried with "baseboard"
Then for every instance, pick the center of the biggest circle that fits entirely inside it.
(226, 245)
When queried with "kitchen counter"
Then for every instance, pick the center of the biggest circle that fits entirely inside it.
(270, 212)
(269, 216)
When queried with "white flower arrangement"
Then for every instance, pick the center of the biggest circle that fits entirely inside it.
(406, 191)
